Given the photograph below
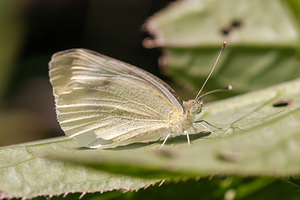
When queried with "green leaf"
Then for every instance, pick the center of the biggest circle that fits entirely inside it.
(245, 69)
(23, 174)
(262, 50)
(216, 188)
(194, 23)
(295, 180)
(260, 136)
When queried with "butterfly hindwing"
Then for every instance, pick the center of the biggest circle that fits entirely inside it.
(103, 101)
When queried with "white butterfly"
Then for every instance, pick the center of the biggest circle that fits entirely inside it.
(103, 102)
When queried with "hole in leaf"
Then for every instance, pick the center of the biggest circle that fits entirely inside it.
(166, 153)
(236, 24)
(282, 103)
(228, 29)
(229, 155)
(225, 31)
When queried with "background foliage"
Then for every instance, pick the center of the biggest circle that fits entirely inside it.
(263, 50)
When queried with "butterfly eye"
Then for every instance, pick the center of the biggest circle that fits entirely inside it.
(196, 107)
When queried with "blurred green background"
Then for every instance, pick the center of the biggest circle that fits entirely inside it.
(31, 31)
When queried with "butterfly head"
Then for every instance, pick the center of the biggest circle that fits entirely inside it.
(193, 106)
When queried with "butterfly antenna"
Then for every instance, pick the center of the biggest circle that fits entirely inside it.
(211, 71)
(229, 87)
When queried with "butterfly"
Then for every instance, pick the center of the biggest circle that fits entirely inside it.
(103, 102)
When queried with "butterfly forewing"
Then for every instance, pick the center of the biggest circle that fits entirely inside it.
(102, 101)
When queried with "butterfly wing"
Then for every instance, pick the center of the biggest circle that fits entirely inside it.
(102, 101)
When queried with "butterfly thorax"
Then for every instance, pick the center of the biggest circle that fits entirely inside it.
(181, 121)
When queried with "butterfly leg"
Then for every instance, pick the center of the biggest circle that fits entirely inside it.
(194, 128)
(164, 141)
(187, 137)
(207, 128)
(200, 121)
